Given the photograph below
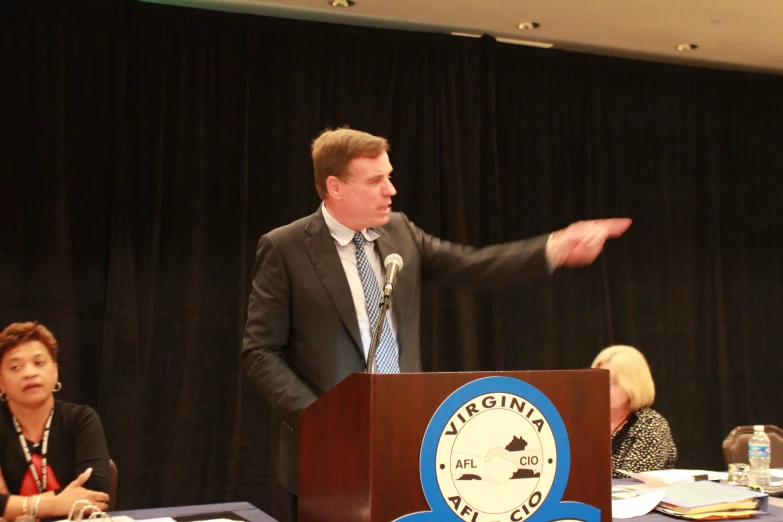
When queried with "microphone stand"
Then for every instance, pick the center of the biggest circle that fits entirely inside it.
(376, 335)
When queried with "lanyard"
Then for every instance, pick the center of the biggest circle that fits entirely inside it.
(44, 446)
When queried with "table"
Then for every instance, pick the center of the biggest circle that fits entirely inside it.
(253, 514)
(775, 511)
(245, 510)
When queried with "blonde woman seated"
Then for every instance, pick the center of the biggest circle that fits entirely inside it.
(641, 439)
(52, 453)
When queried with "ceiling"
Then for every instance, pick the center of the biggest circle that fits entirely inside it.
(730, 34)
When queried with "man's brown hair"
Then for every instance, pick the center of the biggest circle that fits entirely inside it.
(332, 150)
(16, 334)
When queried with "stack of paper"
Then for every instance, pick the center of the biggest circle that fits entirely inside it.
(666, 477)
(706, 500)
(627, 504)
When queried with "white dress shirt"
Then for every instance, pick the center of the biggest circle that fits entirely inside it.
(343, 240)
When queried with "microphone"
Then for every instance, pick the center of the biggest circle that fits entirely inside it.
(393, 264)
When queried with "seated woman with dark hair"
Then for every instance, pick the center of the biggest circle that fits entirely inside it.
(52, 453)
(641, 438)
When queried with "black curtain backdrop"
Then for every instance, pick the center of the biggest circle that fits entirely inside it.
(144, 149)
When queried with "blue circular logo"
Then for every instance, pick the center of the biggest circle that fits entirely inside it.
(497, 450)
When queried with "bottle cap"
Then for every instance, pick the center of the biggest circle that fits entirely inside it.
(758, 427)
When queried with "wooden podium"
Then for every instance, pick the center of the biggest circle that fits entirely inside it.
(360, 443)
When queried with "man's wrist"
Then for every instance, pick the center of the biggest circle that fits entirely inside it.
(553, 260)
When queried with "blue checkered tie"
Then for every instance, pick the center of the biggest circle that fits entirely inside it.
(386, 358)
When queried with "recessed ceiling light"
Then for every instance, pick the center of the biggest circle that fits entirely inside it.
(341, 3)
(527, 26)
(687, 47)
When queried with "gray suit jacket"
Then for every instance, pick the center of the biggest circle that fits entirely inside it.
(302, 336)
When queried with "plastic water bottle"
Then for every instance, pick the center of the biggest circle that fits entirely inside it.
(759, 456)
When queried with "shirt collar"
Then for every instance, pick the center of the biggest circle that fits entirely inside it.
(342, 234)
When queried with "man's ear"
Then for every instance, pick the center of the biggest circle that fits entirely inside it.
(334, 187)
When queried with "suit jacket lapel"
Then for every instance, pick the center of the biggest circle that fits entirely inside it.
(385, 247)
(323, 254)
(384, 243)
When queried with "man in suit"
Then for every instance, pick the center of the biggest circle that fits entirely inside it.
(316, 281)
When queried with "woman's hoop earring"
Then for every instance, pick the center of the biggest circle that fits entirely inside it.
(3, 396)
(58, 386)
